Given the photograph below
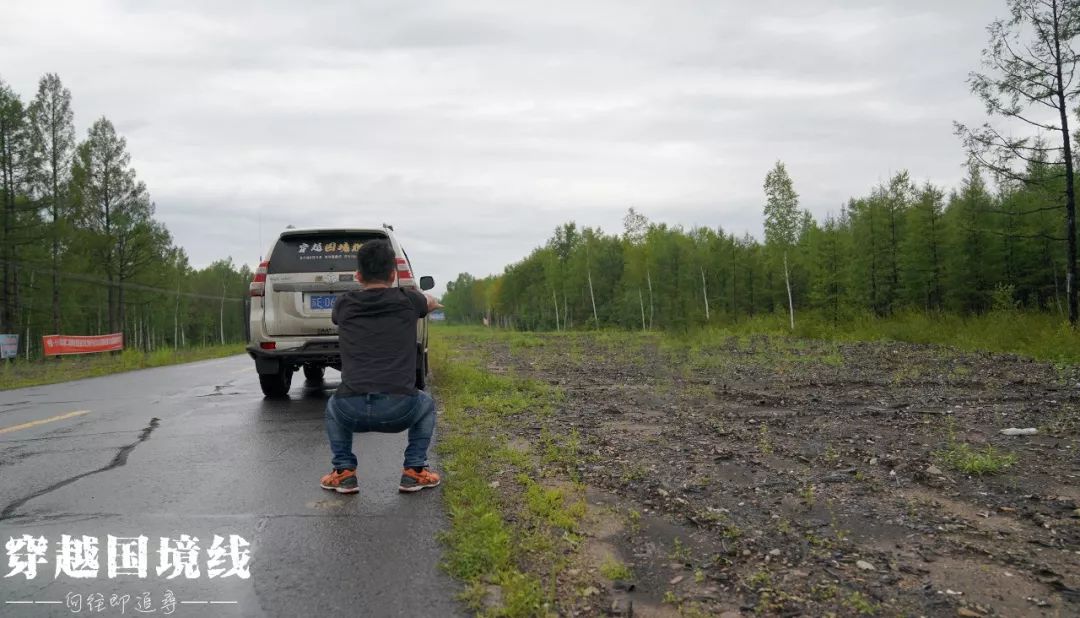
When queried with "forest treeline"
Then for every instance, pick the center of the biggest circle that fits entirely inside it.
(902, 246)
(80, 250)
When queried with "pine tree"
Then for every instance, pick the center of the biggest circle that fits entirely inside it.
(923, 250)
(1031, 65)
(15, 229)
(115, 208)
(53, 142)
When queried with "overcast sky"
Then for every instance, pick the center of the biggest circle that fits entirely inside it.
(477, 127)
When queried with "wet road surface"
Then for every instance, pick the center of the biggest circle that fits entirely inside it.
(195, 449)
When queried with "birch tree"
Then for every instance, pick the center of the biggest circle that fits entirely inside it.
(782, 220)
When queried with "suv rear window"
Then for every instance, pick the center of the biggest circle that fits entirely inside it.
(318, 252)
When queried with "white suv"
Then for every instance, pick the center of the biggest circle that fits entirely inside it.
(292, 296)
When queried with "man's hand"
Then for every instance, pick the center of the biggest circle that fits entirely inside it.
(432, 303)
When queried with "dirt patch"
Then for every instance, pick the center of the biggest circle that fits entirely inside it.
(797, 478)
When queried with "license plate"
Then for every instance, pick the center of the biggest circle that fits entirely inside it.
(321, 303)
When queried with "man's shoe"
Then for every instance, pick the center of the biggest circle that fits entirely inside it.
(341, 481)
(412, 480)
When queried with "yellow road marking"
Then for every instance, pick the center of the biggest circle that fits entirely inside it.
(51, 419)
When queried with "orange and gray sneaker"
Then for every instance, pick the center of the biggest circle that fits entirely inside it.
(413, 480)
(342, 481)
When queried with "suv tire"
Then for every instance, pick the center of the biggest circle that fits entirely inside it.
(421, 370)
(276, 385)
(314, 373)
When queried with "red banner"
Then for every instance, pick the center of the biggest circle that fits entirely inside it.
(56, 345)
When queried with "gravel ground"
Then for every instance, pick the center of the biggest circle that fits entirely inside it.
(797, 478)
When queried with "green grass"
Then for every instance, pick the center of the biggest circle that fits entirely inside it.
(489, 532)
(858, 602)
(963, 458)
(1043, 336)
(1040, 335)
(20, 374)
(616, 571)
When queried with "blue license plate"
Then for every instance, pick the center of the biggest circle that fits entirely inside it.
(318, 303)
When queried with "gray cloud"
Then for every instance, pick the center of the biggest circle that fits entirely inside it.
(477, 127)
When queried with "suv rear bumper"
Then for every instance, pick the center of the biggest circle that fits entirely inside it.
(321, 351)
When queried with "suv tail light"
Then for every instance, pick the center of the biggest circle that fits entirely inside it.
(258, 284)
(403, 271)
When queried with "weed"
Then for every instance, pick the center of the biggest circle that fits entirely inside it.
(859, 603)
(679, 552)
(554, 506)
(694, 610)
(481, 543)
(635, 473)
(759, 579)
(824, 592)
(807, 494)
(764, 444)
(616, 571)
(817, 541)
(963, 458)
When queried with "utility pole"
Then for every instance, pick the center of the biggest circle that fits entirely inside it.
(221, 317)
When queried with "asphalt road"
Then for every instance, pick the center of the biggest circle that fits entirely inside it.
(195, 449)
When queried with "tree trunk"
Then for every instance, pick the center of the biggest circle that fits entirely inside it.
(641, 303)
(592, 296)
(221, 317)
(555, 300)
(56, 233)
(120, 310)
(734, 277)
(28, 314)
(652, 312)
(705, 294)
(1070, 189)
(56, 273)
(176, 319)
(8, 312)
(791, 303)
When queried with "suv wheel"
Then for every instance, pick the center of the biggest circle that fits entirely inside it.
(314, 373)
(276, 385)
(421, 370)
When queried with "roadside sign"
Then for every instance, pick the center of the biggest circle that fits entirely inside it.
(9, 346)
(56, 345)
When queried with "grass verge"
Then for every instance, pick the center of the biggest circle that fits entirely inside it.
(20, 374)
(1039, 335)
(510, 532)
(1042, 336)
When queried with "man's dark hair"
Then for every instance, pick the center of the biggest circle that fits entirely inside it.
(376, 260)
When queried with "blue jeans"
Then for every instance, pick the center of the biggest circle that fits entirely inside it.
(380, 413)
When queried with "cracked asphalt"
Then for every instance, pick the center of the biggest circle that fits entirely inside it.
(195, 449)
